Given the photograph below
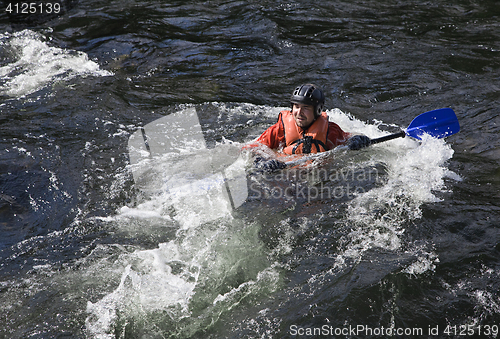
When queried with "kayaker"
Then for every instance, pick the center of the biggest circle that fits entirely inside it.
(304, 129)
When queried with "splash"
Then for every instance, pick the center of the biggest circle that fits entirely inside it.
(216, 261)
(415, 175)
(149, 286)
(184, 285)
(34, 64)
(212, 262)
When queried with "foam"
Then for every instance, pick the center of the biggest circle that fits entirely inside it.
(210, 251)
(37, 64)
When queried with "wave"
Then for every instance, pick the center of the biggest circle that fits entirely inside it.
(32, 63)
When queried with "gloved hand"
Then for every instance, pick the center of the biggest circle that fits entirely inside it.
(268, 165)
(358, 141)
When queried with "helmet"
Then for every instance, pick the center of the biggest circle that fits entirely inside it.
(309, 94)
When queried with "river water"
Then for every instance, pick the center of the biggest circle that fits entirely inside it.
(397, 239)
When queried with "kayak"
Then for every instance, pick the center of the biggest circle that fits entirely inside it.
(170, 156)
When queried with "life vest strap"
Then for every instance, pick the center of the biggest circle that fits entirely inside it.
(308, 141)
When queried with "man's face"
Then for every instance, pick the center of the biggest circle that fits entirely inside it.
(303, 114)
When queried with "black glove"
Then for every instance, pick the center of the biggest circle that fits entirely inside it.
(358, 141)
(268, 165)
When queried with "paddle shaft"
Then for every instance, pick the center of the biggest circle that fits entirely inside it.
(401, 134)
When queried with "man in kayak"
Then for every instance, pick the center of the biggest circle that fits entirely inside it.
(305, 129)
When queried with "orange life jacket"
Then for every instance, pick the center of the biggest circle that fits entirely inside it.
(313, 139)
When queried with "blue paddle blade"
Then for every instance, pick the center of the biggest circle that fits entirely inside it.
(438, 123)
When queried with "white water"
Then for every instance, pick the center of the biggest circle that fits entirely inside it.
(34, 63)
(201, 266)
(217, 260)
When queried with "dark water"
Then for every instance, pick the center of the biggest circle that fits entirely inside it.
(84, 252)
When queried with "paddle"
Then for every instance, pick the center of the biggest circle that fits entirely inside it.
(438, 123)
